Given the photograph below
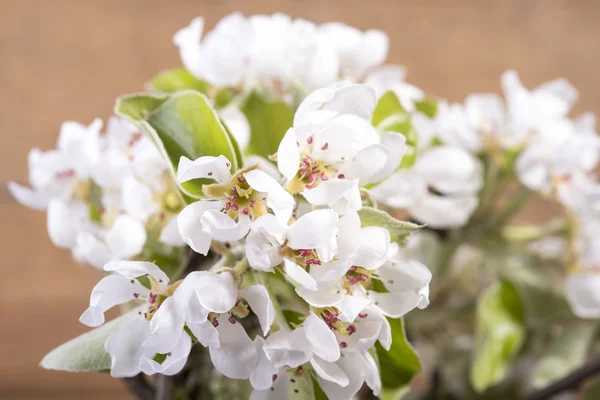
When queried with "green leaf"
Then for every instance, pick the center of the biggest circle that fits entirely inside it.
(183, 124)
(401, 363)
(399, 230)
(427, 106)
(565, 353)
(269, 121)
(173, 80)
(499, 334)
(390, 116)
(86, 352)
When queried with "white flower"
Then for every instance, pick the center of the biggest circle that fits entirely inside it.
(583, 293)
(391, 78)
(58, 173)
(333, 148)
(560, 149)
(306, 243)
(439, 190)
(133, 347)
(358, 368)
(237, 200)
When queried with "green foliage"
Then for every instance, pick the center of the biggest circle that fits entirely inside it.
(565, 353)
(173, 80)
(86, 353)
(427, 106)
(269, 121)
(399, 230)
(183, 124)
(390, 116)
(499, 334)
(401, 363)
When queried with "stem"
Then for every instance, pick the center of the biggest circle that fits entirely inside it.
(164, 387)
(139, 387)
(569, 382)
(514, 205)
(528, 233)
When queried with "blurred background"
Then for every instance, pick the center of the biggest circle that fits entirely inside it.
(70, 59)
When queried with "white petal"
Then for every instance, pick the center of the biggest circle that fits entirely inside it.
(91, 250)
(133, 269)
(372, 378)
(216, 292)
(411, 275)
(375, 248)
(450, 170)
(261, 377)
(329, 371)
(137, 199)
(313, 230)
(222, 228)
(237, 123)
(64, 221)
(170, 235)
(259, 301)
(442, 212)
(187, 302)
(288, 348)
(236, 356)
(321, 338)
(217, 168)
(125, 348)
(281, 202)
(340, 194)
(112, 290)
(583, 293)
(188, 41)
(126, 237)
(395, 304)
(349, 237)
(365, 165)
(28, 197)
(351, 306)
(331, 271)
(280, 390)
(299, 275)
(174, 362)
(327, 294)
(352, 365)
(205, 332)
(190, 228)
(166, 328)
(344, 135)
(288, 155)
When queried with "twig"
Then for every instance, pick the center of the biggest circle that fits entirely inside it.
(569, 382)
(139, 387)
(164, 387)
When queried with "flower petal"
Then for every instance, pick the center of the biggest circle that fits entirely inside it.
(174, 362)
(236, 357)
(125, 347)
(342, 195)
(375, 247)
(259, 301)
(281, 202)
(222, 228)
(190, 227)
(134, 269)
(583, 293)
(170, 235)
(166, 328)
(112, 290)
(288, 348)
(126, 237)
(205, 332)
(352, 365)
(321, 338)
(295, 272)
(261, 377)
(28, 197)
(288, 155)
(329, 371)
(395, 304)
(326, 294)
(209, 167)
(410, 275)
(137, 199)
(314, 230)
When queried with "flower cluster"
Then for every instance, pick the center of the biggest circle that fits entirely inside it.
(349, 277)
(107, 194)
(277, 53)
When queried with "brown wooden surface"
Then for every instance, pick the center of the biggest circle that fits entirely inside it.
(70, 59)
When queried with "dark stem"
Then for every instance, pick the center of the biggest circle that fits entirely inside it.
(569, 382)
(164, 387)
(139, 387)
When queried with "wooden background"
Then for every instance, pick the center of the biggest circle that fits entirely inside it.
(70, 59)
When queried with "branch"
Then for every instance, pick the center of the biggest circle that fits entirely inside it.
(569, 382)
(164, 387)
(139, 387)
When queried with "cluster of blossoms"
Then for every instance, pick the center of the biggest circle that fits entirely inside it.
(107, 194)
(331, 260)
(312, 273)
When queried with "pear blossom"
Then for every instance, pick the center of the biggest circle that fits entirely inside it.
(240, 52)
(333, 149)
(392, 78)
(439, 190)
(235, 201)
(305, 244)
